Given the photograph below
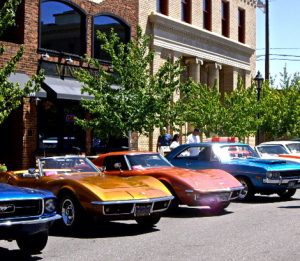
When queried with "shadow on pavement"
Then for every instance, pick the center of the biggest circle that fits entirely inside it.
(15, 255)
(264, 200)
(290, 207)
(101, 229)
(194, 212)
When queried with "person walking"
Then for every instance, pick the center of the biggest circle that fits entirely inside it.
(163, 142)
(193, 137)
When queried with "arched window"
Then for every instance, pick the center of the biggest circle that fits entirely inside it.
(104, 24)
(62, 28)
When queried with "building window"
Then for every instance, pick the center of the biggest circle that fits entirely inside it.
(62, 28)
(104, 24)
(15, 34)
(207, 14)
(186, 11)
(225, 18)
(241, 21)
(162, 6)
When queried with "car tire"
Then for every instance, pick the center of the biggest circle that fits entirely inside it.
(71, 212)
(287, 194)
(248, 192)
(33, 244)
(148, 221)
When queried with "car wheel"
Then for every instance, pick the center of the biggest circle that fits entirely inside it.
(286, 194)
(71, 211)
(248, 192)
(148, 221)
(33, 244)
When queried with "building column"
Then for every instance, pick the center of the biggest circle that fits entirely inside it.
(213, 70)
(194, 65)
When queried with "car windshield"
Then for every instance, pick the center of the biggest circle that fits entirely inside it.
(65, 165)
(294, 147)
(146, 161)
(234, 151)
(271, 149)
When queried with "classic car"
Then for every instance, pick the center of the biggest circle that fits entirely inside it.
(289, 150)
(210, 188)
(84, 191)
(264, 176)
(25, 216)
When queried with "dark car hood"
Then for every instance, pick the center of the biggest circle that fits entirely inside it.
(12, 192)
(269, 164)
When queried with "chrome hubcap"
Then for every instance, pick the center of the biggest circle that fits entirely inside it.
(68, 212)
(244, 192)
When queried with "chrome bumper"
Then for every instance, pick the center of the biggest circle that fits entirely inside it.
(30, 222)
(292, 183)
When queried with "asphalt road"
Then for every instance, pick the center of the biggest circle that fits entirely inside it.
(265, 229)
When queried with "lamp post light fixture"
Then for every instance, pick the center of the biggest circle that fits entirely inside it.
(259, 80)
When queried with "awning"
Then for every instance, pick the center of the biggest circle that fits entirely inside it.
(22, 79)
(66, 89)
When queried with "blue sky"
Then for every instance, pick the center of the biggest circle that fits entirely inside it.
(284, 21)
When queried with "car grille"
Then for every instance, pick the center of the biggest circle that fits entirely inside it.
(20, 208)
(235, 194)
(161, 205)
(290, 174)
(118, 209)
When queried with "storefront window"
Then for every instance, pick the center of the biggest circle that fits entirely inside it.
(104, 24)
(62, 28)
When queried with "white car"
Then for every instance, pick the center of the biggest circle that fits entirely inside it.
(289, 150)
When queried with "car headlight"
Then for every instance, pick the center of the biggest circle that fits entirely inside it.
(50, 205)
(273, 174)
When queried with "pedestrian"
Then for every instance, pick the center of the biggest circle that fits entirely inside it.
(193, 137)
(163, 142)
(175, 142)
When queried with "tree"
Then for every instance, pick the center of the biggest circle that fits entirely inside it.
(201, 106)
(128, 98)
(10, 93)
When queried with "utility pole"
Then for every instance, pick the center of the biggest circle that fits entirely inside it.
(265, 8)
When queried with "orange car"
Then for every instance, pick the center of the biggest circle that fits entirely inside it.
(211, 187)
(83, 190)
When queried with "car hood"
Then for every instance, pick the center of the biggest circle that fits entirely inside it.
(201, 180)
(13, 192)
(267, 164)
(121, 188)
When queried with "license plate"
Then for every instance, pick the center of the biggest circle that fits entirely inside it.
(141, 211)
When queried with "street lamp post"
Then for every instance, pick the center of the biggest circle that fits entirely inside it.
(259, 80)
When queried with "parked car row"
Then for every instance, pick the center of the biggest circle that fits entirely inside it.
(134, 185)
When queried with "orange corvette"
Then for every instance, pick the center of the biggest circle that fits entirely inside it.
(211, 187)
(82, 190)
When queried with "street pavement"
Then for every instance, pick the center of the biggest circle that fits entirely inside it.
(264, 229)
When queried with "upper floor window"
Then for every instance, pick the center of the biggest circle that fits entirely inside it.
(225, 18)
(104, 24)
(162, 6)
(207, 14)
(186, 11)
(62, 28)
(15, 34)
(241, 25)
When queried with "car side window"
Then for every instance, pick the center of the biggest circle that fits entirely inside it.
(196, 153)
(110, 163)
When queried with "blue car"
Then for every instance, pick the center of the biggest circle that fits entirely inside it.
(264, 176)
(25, 216)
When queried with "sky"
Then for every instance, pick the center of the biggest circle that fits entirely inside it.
(284, 39)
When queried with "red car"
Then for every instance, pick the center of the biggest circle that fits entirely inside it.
(210, 187)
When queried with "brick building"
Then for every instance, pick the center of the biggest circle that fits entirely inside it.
(215, 38)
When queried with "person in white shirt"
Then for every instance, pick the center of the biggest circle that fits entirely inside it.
(175, 142)
(194, 138)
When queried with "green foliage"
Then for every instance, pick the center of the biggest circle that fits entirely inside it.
(10, 93)
(240, 118)
(201, 106)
